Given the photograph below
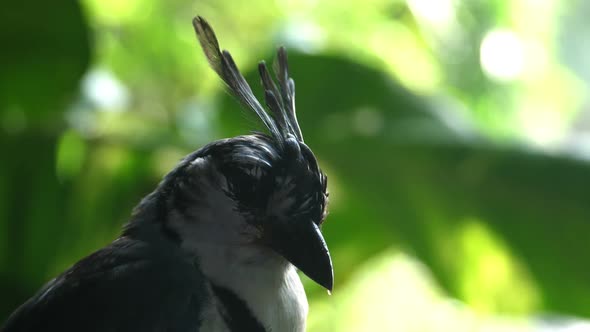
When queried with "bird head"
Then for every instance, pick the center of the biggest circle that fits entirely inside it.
(247, 190)
(262, 191)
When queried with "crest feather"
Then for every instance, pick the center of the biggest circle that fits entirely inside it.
(280, 100)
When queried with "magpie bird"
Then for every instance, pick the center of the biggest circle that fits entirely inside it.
(216, 245)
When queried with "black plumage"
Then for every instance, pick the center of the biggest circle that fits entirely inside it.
(258, 193)
(126, 271)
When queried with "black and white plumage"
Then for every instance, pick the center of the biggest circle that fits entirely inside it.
(216, 246)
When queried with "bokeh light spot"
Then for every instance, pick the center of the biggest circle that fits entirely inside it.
(502, 55)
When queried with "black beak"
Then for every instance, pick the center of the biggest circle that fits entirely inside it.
(301, 243)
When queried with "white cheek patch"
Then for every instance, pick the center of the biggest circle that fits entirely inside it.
(214, 216)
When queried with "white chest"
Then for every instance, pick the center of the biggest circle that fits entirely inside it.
(269, 286)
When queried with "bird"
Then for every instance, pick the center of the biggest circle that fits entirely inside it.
(217, 245)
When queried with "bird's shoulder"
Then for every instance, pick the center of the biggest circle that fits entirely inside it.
(130, 285)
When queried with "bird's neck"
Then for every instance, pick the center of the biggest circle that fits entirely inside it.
(266, 283)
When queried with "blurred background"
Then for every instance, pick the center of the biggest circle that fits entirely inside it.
(456, 135)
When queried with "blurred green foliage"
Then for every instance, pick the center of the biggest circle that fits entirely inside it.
(441, 148)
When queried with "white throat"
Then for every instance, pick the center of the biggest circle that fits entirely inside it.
(223, 243)
(266, 282)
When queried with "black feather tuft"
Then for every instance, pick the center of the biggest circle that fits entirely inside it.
(225, 67)
(272, 97)
(287, 86)
(280, 100)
